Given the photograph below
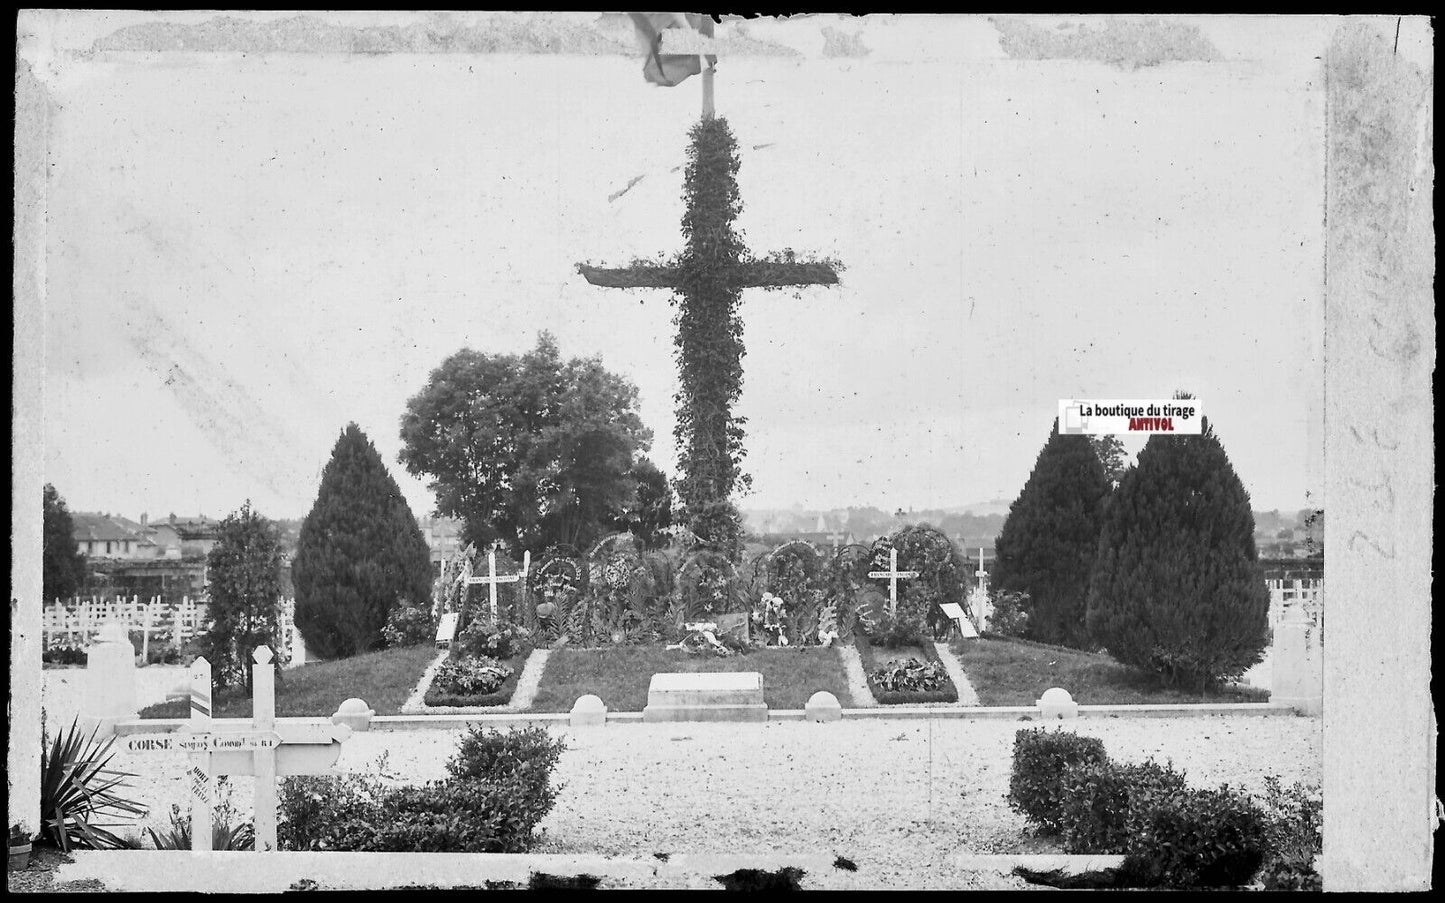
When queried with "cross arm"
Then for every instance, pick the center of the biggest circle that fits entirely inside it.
(784, 269)
(642, 275)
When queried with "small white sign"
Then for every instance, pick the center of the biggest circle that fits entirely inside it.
(953, 610)
(884, 575)
(447, 628)
(1180, 416)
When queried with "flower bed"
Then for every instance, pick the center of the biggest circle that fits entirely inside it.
(465, 668)
(876, 658)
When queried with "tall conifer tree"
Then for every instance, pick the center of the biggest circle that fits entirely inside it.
(1176, 586)
(360, 553)
(63, 573)
(1046, 547)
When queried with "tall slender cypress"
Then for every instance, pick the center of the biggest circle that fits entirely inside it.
(1046, 547)
(1176, 586)
(360, 553)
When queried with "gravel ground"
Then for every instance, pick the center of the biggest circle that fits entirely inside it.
(898, 798)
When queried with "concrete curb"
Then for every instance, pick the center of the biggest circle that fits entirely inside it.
(458, 721)
(1043, 862)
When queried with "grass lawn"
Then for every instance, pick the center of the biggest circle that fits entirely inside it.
(384, 679)
(1017, 672)
(620, 675)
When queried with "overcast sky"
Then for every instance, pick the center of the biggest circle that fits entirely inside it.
(247, 251)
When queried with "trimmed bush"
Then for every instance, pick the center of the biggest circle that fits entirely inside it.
(497, 792)
(527, 754)
(1102, 803)
(875, 664)
(1200, 838)
(1040, 759)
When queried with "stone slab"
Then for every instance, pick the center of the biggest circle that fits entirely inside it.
(706, 696)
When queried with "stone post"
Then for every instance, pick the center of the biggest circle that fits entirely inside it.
(1297, 663)
(109, 696)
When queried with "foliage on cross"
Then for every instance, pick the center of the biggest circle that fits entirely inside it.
(708, 276)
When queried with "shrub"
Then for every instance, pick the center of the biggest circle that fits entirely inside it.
(65, 655)
(1010, 614)
(77, 790)
(1039, 761)
(911, 675)
(1102, 802)
(892, 630)
(526, 754)
(470, 676)
(1293, 826)
(499, 641)
(408, 625)
(497, 791)
(1200, 838)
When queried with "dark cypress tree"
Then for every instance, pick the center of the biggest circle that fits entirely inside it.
(360, 553)
(63, 570)
(1176, 586)
(1046, 546)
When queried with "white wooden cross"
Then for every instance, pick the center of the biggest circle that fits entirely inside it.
(493, 578)
(835, 537)
(266, 747)
(893, 575)
(982, 574)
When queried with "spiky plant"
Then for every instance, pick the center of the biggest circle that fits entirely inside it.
(77, 790)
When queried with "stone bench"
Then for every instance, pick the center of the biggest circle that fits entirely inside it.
(706, 696)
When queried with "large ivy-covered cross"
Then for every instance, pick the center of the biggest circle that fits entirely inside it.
(707, 278)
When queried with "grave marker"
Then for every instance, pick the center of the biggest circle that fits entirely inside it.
(893, 575)
(493, 578)
(267, 747)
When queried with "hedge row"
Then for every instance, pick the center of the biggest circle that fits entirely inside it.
(1172, 835)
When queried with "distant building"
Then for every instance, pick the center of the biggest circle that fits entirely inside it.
(111, 536)
(443, 537)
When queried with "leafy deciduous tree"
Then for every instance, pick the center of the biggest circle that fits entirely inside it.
(243, 572)
(63, 571)
(527, 448)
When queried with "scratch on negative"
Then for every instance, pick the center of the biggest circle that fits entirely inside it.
(628, 187)
(1361, 535)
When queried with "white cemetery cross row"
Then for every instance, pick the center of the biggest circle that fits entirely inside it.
(266, 748)
(893, 575)
(493, 578)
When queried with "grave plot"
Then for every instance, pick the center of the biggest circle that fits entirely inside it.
(485, 657)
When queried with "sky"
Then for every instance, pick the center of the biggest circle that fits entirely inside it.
(246, 251)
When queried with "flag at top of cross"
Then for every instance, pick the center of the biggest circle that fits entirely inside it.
(670, 69)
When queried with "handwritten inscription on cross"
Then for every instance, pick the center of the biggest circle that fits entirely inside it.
(266, 747)
(493, 578)
(893, 575)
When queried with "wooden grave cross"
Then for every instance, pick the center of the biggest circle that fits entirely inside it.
(982, 574)
(893, 575)
(836, 537)
(267, 747)
(493, 578)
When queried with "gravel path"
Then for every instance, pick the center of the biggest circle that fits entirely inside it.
(857, 678)
(967, 695)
